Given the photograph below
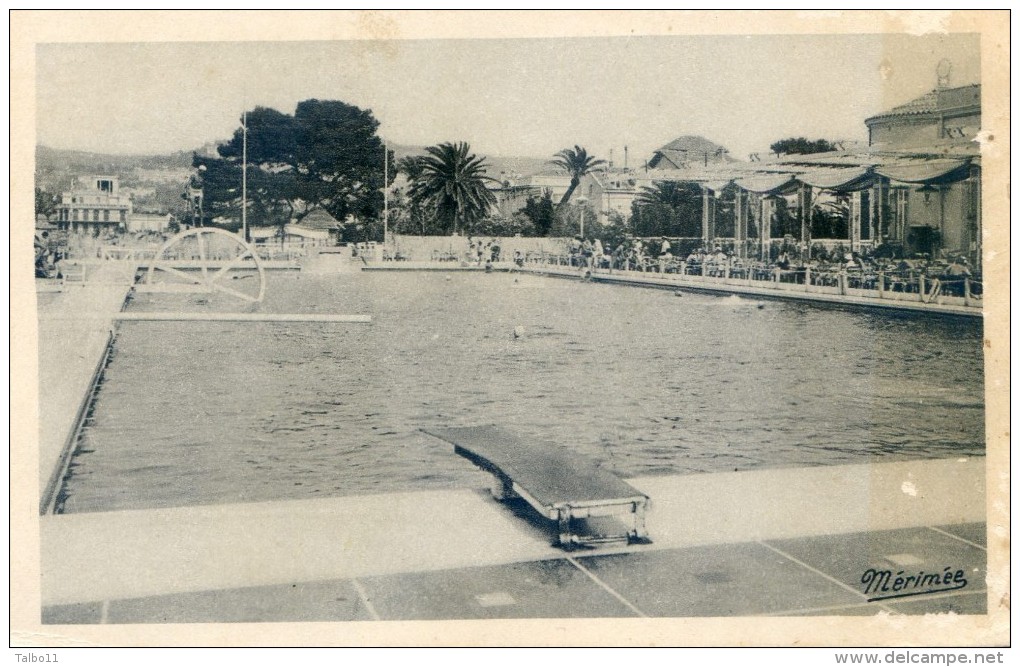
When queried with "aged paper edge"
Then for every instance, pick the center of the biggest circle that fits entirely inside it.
(29, 28)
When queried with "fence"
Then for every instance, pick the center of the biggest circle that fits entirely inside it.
(925, 284)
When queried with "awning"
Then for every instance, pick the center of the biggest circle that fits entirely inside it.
(766, 184)
(716, 186)
(923, 171)
(304, 232)
(837, 179)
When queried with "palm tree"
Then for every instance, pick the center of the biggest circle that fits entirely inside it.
(668, 207)
(576, 162)
(453, 183)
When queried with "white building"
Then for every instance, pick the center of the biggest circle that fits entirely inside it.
(93, 207)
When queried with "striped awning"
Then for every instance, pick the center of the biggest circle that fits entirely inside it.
(766, 184)
(924, 171)
(716, 186)
(854, 178)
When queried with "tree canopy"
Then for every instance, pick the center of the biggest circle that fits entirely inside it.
(541, 213)
(45, 203)
(801, 146)
(326, 156)
(668, 208)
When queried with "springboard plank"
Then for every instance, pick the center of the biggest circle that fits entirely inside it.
(552, 474)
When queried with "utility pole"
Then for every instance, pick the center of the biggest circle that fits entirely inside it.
(244, 175)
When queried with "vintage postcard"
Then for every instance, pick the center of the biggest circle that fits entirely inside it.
(510, 328)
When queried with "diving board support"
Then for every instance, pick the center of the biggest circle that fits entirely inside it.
(563, 486)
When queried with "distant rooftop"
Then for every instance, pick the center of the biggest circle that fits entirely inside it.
(318, 219)
(940, 99)
(688, 149)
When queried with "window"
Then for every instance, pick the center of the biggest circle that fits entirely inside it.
(106, 215)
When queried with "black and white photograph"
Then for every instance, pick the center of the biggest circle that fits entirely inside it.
(574, 328)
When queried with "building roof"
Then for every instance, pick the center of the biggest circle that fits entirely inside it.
(688, 149)
(934, 101)
(926, 103)
(319, 219)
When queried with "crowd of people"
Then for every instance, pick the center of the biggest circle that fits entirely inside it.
(483, 251)
(946, 275)
(951, 275)
(629, 255)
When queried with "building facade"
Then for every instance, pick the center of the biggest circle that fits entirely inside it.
(94, 207)
(941, 115)
(914, 192)
(512, 195)
(935, 205)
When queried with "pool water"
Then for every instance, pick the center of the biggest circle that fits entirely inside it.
(643, 381)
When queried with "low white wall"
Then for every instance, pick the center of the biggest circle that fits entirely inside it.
(424, 248)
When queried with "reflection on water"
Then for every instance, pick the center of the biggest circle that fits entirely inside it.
(644, 382)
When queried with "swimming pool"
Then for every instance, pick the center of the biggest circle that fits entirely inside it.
(643, 381)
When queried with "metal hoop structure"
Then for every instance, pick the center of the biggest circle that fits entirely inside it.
(213, 256)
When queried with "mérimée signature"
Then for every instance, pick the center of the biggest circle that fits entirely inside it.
(884, 585)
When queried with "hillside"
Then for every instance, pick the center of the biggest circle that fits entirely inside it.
(498, 164)
(157, 181)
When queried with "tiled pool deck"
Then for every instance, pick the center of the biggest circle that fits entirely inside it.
(795, 577)
(779, 542)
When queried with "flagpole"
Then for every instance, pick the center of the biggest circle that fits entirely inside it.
(244, 175)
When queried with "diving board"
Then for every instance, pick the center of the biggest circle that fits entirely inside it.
(562, 485)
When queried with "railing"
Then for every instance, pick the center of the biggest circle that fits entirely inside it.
(881, 283)
(116, 252)
(282, 254)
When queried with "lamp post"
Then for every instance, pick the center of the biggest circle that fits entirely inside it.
(582, 200)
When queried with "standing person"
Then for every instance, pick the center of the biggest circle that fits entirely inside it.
(597, 254)
(575, 250)
(618, 257)
(664, 254)
(639, 254)
(664, 249)
(630, 257)
(586, 254)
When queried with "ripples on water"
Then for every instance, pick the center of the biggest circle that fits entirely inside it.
(643, 381)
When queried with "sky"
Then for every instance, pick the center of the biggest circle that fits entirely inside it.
(505, 97)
